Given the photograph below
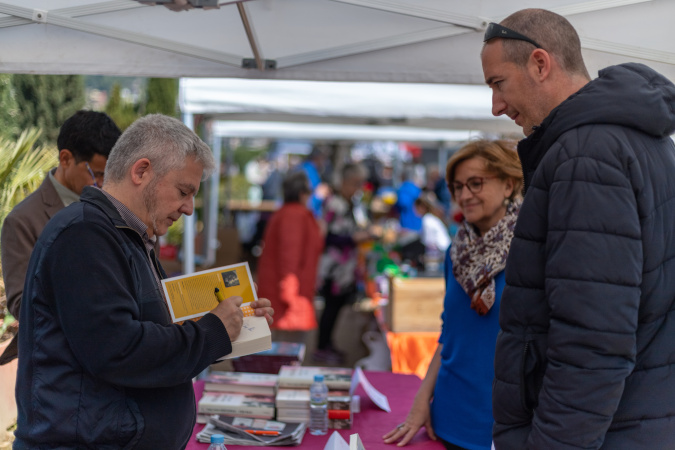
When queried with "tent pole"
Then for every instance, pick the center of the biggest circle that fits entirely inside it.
(189, 221)
(211, 231)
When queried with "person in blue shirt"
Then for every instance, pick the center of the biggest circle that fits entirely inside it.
(454, 402)
(406, 195)
(312, 167)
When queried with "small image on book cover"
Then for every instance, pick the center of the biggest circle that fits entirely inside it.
(230, 278)
(193, 295)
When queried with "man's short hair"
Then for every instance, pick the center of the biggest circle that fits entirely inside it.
(550, 30)
(165, 141)
(294, 185)
(87, 133)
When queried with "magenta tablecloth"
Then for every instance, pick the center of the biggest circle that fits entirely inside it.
(371, 423)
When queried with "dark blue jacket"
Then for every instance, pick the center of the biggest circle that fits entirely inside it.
(586, 355)
(102, 366)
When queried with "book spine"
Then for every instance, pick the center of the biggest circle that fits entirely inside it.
(222, 409)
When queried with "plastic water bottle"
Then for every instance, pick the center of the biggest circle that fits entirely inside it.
(217, 442)
(318, 406)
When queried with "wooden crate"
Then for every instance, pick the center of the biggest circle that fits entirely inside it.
(415, 304)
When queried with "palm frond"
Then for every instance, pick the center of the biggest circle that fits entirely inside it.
(22, 168)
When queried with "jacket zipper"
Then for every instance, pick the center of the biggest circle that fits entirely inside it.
(523, 397)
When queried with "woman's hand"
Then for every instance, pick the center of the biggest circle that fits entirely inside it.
(418, 417)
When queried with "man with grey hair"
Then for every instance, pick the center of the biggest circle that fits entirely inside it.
(585, 354)
(101, 364)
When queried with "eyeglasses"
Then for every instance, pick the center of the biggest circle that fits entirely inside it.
(473, 184)
(91, 172)
(494, 30)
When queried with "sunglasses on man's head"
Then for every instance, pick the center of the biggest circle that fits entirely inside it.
(494, 30)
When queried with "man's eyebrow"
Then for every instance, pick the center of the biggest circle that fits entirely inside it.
(490, 80)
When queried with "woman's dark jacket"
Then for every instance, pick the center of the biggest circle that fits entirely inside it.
(101, 365)
(586, 355)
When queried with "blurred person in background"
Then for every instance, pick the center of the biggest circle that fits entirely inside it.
(313, 166)
(287, 268)
(406, 194)
(434, 233)
(454, 402)
(436, 183)
(346, 228)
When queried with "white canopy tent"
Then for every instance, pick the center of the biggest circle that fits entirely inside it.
(429, 41)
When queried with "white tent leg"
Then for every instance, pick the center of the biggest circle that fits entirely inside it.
(189, 221)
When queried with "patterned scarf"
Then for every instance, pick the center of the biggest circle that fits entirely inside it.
(477, 259)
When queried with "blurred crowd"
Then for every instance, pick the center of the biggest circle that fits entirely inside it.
(333, 210)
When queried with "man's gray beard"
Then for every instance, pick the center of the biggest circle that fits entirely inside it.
(150, 202)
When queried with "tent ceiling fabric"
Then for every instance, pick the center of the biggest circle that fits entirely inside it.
(286, 130)
(419, 41)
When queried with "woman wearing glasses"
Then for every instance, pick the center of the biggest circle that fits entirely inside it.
(454, 402)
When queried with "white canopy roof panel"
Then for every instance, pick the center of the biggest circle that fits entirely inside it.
(291, 130)
(460, 107)
(427, 41)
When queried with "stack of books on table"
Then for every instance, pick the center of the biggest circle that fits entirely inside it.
(238, 394)
(270, 361)
(254, 432)
(292, 398)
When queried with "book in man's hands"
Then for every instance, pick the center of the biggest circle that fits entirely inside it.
(241, 382)
(255, 406)
(192, 296)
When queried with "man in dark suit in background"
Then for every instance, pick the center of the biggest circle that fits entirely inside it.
(84, 142)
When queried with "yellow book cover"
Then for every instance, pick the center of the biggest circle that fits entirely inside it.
(191, 296)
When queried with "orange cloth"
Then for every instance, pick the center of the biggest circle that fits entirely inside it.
(287, 267)
(411, 352)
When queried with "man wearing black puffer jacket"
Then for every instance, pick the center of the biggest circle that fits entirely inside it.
(586, 355)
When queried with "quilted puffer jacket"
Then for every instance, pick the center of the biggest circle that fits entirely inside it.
(586, 355)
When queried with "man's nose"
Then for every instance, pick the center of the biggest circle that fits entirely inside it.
(188, 206)
(498, 104)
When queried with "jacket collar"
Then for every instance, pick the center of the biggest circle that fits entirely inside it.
(629, 95)
(97, 198)
(50, 198)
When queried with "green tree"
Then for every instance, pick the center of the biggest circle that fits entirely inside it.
(9, 113)
(46, 101)
(162, 96)
(123, 113)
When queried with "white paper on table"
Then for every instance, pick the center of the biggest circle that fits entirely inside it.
(336, 442)
(376, 396)
(355, 442)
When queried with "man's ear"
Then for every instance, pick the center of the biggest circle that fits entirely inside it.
(141, 172)
(541, 62)
(66, 158)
